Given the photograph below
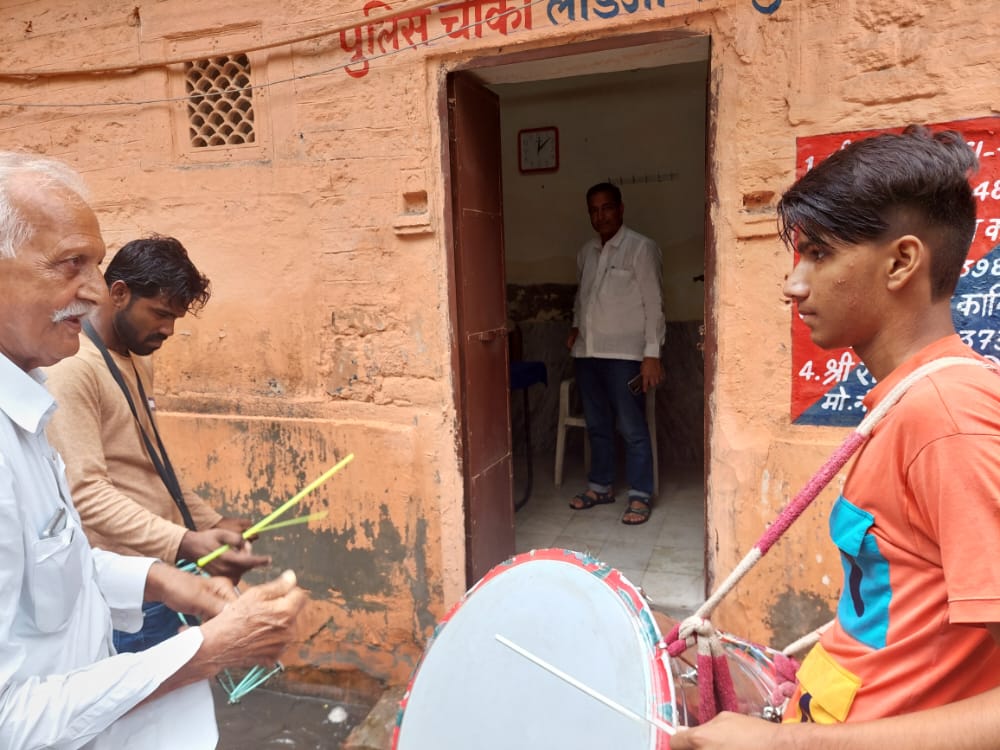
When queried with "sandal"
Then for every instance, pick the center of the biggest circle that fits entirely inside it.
(589, 498)
(637, 507)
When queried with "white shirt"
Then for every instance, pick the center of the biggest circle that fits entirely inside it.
(619, 302)
(61, 686)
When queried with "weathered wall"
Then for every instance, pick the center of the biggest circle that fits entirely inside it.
(329, 333)
(806, 69)
(327, 330)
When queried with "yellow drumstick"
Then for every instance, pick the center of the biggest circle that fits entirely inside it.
(262, 525)
(295, 521)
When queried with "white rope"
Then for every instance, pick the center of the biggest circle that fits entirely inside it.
(752, 558)
(875, 415)
(807, 641)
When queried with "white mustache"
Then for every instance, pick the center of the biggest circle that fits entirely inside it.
(74, 310)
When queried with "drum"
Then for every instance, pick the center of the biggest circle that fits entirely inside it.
(576, 614)
(586, 620)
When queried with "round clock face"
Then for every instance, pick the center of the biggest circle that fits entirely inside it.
(538, 149)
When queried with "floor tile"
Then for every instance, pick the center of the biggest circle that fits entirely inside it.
(674, 592)
(621, 556)
(664, 556)
(591, 547)
(525, 541)
(674, 560)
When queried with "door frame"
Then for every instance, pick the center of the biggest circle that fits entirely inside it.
(553, 52)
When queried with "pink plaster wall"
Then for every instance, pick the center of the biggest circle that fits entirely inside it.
(328, 331)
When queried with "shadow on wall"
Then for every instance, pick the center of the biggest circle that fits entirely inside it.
(543, 313)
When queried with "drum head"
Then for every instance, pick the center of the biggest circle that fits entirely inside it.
(577, 614)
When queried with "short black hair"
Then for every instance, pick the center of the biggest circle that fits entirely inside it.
(606, 187)
(156, 266)
(913, 182)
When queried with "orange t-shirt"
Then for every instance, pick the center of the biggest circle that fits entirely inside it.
(918, 528)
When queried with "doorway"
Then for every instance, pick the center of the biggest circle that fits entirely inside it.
(635, 115)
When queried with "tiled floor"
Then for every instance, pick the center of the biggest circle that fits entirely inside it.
(664, 556)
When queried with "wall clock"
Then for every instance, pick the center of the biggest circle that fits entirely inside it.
(538, 149)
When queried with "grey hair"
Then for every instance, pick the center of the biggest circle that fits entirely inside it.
(15, 231)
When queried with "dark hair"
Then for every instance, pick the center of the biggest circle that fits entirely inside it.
(606, 187)
(909, 183)
(159, 265)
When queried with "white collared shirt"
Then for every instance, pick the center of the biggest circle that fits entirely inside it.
(619, 302)
(61, 686)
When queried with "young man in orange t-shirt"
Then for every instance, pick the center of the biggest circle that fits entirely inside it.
(913, 660)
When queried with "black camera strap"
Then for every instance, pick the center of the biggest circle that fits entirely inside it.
(160, 460)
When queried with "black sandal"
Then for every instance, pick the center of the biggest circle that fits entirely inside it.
(589, 501)
(637, 507)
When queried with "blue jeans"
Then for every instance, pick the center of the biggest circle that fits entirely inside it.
(159, 623)
(607, 401)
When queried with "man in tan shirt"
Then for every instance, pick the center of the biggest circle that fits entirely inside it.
(119, 472)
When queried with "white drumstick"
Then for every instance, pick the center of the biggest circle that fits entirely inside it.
(658, 723)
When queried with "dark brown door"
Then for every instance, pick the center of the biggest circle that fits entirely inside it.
(481, 322)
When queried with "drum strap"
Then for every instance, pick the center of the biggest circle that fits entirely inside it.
(161, 462)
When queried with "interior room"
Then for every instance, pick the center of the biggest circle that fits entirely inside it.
(644, 129)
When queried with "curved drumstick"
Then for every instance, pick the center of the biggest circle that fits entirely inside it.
(262, 525)
(658, 723)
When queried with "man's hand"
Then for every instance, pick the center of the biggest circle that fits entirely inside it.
(232, 564)
(239, 525)
(255, 628)
(187, 593)
(571, 339)
(251, 629)
(652, 373)
(729, 731)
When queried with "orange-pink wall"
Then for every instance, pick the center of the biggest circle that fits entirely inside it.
(329, 329)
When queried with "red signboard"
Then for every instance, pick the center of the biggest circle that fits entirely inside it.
(828, 385)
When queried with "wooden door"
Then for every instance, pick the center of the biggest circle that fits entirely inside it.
(481, 322)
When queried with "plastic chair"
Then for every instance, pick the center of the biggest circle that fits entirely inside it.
(567, 420)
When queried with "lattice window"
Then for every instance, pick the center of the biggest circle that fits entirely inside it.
(220, 104)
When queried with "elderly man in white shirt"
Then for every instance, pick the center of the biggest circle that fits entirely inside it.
(618, 329)
(61, 683)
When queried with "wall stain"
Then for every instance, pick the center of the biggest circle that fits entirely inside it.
(361, 579)
(795, 614)
(328, 625)
(419, 588)
(365, 567)
(278, 447)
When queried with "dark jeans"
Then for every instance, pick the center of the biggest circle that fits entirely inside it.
(607, 401)
(159, 623)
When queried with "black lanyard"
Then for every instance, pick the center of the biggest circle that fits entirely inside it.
(163, 467)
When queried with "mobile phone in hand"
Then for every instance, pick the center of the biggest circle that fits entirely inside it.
(635, 385)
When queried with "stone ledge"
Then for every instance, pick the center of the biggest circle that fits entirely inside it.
(375, 731)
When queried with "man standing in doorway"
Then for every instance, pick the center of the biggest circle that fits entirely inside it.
(618, 329)
(119, 472)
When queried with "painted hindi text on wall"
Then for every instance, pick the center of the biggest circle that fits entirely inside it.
(389, 31)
